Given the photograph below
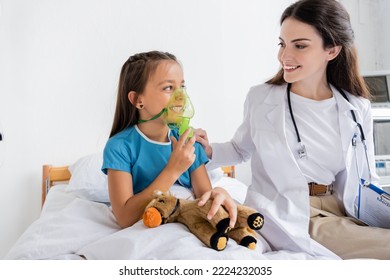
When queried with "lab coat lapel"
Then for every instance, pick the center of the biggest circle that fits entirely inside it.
(278, 149)
(347, 129)
(347, 126)
(283, 170)
(274, 111)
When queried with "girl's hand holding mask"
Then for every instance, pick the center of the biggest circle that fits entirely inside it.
(183, 153)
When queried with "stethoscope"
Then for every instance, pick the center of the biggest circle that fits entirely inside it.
(302, 149)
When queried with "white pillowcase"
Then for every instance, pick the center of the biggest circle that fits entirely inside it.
(215, 175)
(88, 181)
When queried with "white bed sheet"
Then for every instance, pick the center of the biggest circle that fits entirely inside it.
(70, 227)
(66, 224)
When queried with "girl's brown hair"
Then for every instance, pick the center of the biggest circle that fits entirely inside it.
(332, 22)
(133, 77)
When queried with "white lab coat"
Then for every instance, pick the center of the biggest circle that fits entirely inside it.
(278, 189)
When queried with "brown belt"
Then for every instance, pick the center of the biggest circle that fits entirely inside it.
(317, 189)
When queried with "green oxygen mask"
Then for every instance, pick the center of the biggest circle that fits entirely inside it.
(179, 111)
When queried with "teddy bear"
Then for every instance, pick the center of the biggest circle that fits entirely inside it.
(214, 233)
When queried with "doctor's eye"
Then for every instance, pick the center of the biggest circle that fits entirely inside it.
(281, 44)
(300, 47)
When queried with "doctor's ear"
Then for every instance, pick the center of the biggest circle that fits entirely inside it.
(135, 100)
(333, 52)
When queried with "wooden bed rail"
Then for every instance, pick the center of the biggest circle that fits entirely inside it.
(58, 174)
(52, 175)
(229, 171)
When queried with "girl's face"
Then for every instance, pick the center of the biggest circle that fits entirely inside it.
(301, 52)
(167, 77)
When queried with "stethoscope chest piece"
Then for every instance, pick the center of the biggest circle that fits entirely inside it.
(302, 151)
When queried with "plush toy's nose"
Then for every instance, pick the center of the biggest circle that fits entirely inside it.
(152, 217)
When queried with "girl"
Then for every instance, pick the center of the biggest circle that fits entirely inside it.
(143, 155)
(297, 130)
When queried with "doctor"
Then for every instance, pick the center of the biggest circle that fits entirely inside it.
(297, 131)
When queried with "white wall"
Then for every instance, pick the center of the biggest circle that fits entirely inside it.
(371, 23)
(59, 66)
(385, 27)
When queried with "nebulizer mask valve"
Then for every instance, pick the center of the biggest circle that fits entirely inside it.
(179, 111)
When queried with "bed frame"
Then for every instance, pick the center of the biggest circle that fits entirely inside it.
(52, 175)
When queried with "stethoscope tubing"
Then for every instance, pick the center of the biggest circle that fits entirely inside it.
(359, 126)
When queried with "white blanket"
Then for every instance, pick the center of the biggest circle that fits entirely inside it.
(70, 227)
(173, 242)
(67, 223)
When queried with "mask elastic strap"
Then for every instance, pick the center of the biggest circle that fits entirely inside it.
(153, 118)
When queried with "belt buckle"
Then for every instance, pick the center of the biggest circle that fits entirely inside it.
(319, 190)
(330, 188)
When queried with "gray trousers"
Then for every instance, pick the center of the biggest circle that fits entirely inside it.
(345, 236)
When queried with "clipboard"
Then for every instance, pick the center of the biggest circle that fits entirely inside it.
(373, 205)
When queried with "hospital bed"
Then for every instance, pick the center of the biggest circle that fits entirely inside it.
(76, 222)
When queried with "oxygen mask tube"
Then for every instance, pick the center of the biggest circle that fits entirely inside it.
(179, 111)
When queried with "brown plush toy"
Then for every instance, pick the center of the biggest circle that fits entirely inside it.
(165, 208)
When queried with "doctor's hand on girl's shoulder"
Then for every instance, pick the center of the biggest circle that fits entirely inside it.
(183, 153)
(201, 137)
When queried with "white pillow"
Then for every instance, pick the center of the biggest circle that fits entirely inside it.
(181, 192)
(88, 181)
(215, 175)
(234, 187)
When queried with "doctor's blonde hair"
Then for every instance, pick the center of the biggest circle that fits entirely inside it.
(332, 22)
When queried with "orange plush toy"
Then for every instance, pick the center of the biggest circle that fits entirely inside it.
(165, 208)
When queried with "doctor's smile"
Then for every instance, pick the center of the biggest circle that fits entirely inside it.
(290, 68)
